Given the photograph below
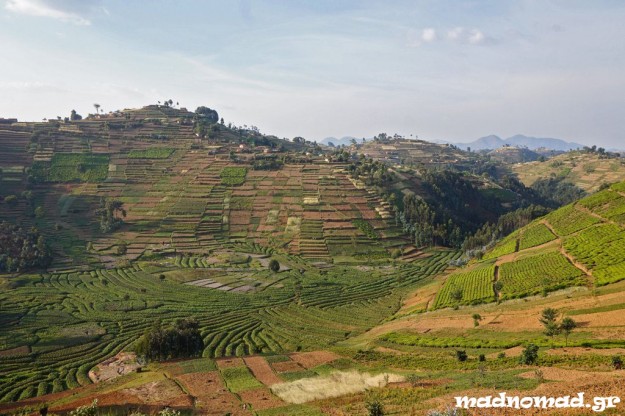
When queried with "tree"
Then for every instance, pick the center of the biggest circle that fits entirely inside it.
(109, 213)
(74, 116)
(122, 249)
(274, 266)
(456, 295)
(529, 355)
(548, 318)
(476, 319)
(183, 339)
(567, 326)
(461, 355)
(97, 108)
(207, 114)
(617, 362)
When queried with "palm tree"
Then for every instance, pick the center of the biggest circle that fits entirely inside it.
(97, 108)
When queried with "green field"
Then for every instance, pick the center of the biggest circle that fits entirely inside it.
(476, 286)
(151, 153)
(535, 235)
(538, 273)
(72, 167)
(232, 176)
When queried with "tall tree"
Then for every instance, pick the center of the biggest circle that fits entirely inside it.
(548, 318)
(567, 326)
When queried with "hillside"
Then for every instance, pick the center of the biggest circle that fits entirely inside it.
(578, 245)
(159, 214)
(586, 170)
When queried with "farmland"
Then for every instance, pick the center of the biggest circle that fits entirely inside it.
(202, 221)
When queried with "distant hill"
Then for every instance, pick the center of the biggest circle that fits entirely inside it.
(585, 170)
(495, 142)
(345, 140)
(513, 154)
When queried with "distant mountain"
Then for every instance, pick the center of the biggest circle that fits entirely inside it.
(495, 142)
(346, 140)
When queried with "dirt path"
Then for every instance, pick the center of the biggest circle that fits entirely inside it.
(578, 265)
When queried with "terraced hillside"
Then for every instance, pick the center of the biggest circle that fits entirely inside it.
(183, 191)
(205, 210)
(586, 170)
(582, 244)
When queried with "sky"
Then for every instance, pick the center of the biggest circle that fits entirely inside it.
(454, 70)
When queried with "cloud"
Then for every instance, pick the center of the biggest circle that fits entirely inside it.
(428, 35)
(416, 39)
(44, 8)
(462, 35)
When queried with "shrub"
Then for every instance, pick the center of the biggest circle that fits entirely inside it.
(375, 408)
(461, 355)
(274, 266)
(482, 358)
(529, 355)
(617, 362)
(86, 410)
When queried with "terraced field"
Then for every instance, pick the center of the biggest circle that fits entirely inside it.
(587, 247)
(57, 326)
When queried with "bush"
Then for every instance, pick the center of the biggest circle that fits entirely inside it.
(461, 355)
(482, 358)
(617, 362)
(375, 408)
(274, 266)
(529, 355)
(87, 410)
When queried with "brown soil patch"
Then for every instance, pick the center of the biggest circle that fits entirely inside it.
(286, 366)
(211, 396)
(313, 359)
(120, 364)
(229, 362)
(23, 350)
(262, 370)
(510, 352)
(261, 398)
(161, 393)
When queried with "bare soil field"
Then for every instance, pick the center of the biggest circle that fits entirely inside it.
(262, 370)
(313, 359)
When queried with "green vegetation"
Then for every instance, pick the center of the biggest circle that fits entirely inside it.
(476, 285)
(232, 176)
(366, 228)
(72, 167)
(535, 235)
(151, 153)
(22, 250)
(239, 379)
(507, 246)
(538, 273)
(602, 249)
(183, 340)
(569, 219)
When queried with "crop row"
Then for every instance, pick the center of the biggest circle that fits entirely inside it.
(474, 286)
(538, 273)
(569, 219)
(598, 247)
(535, 235)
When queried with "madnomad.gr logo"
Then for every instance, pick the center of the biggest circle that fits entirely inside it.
(599, 404)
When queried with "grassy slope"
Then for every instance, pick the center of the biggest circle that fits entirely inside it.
(584, 170)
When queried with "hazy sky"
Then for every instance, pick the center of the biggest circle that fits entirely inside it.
(317, 68)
